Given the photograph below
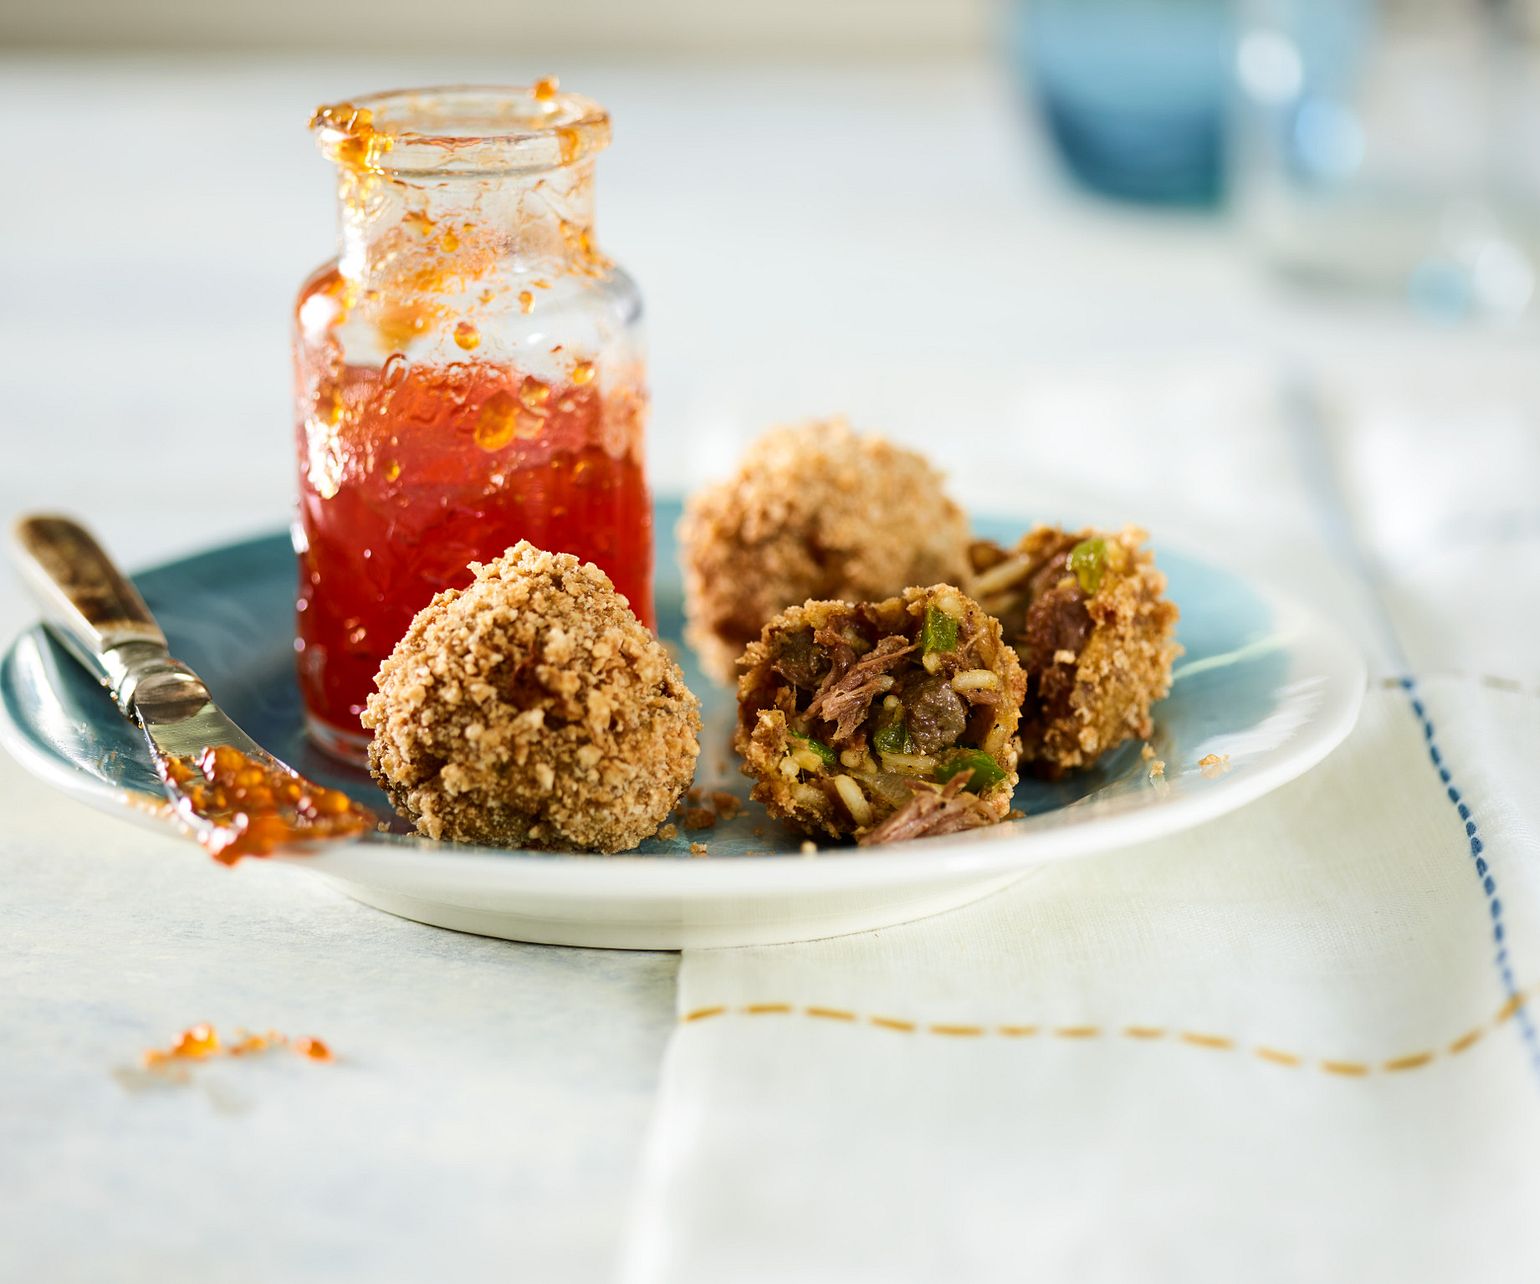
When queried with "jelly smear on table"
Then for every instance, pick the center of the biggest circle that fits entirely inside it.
(238, 806)
(202, 1042)
(410, 472)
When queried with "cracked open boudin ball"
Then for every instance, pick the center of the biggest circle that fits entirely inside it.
(533, 709)
(815, 511)
(1087, 614)
(882, 720)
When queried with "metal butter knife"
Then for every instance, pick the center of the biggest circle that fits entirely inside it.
(99, 617)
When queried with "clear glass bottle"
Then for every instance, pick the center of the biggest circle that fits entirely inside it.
(469, 372)
(1387, 145)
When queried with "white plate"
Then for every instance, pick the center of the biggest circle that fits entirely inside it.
(1264, 682)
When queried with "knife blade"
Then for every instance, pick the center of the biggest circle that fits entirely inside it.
(234, 796)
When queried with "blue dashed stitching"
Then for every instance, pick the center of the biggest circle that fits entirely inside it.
(1304, 409)
(1483, 870)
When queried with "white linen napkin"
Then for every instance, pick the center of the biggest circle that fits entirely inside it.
(1293, 1044)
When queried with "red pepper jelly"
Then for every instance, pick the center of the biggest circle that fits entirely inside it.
(469, 373)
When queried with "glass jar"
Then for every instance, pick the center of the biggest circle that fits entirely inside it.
(1387, 145)
(468, 372)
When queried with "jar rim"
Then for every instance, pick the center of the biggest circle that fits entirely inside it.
(446, 130)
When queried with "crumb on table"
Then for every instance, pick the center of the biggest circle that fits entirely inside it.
(697, 849)
(1214, 764)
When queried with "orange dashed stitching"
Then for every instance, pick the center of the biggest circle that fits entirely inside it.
(1194, 1038)
(1466, 1040)
(1353, 1069)
(831, 1014)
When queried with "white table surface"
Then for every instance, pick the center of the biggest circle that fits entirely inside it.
(888, 242)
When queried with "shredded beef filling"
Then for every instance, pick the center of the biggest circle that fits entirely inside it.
(846, 696)
(931, 809)
(893, 718)
(1056, 622)
(935, 715)
(799, 659)
(1044, 616)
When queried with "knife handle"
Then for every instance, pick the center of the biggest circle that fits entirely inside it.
(88, 604)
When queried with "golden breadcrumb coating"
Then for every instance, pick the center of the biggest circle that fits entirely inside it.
(533, 709)
(882, 720)
(1087, 614)
(814, 511)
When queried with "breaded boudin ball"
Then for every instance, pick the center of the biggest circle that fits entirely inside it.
(1087, 614)
(814, 511)
(882, 720)
(533, 709)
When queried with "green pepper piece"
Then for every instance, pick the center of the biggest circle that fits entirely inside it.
(1088, 559)
(893, 738)
(818, 747)
(939, 632)
(986, 771)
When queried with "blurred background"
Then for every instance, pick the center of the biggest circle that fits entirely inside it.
(1021, 234)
